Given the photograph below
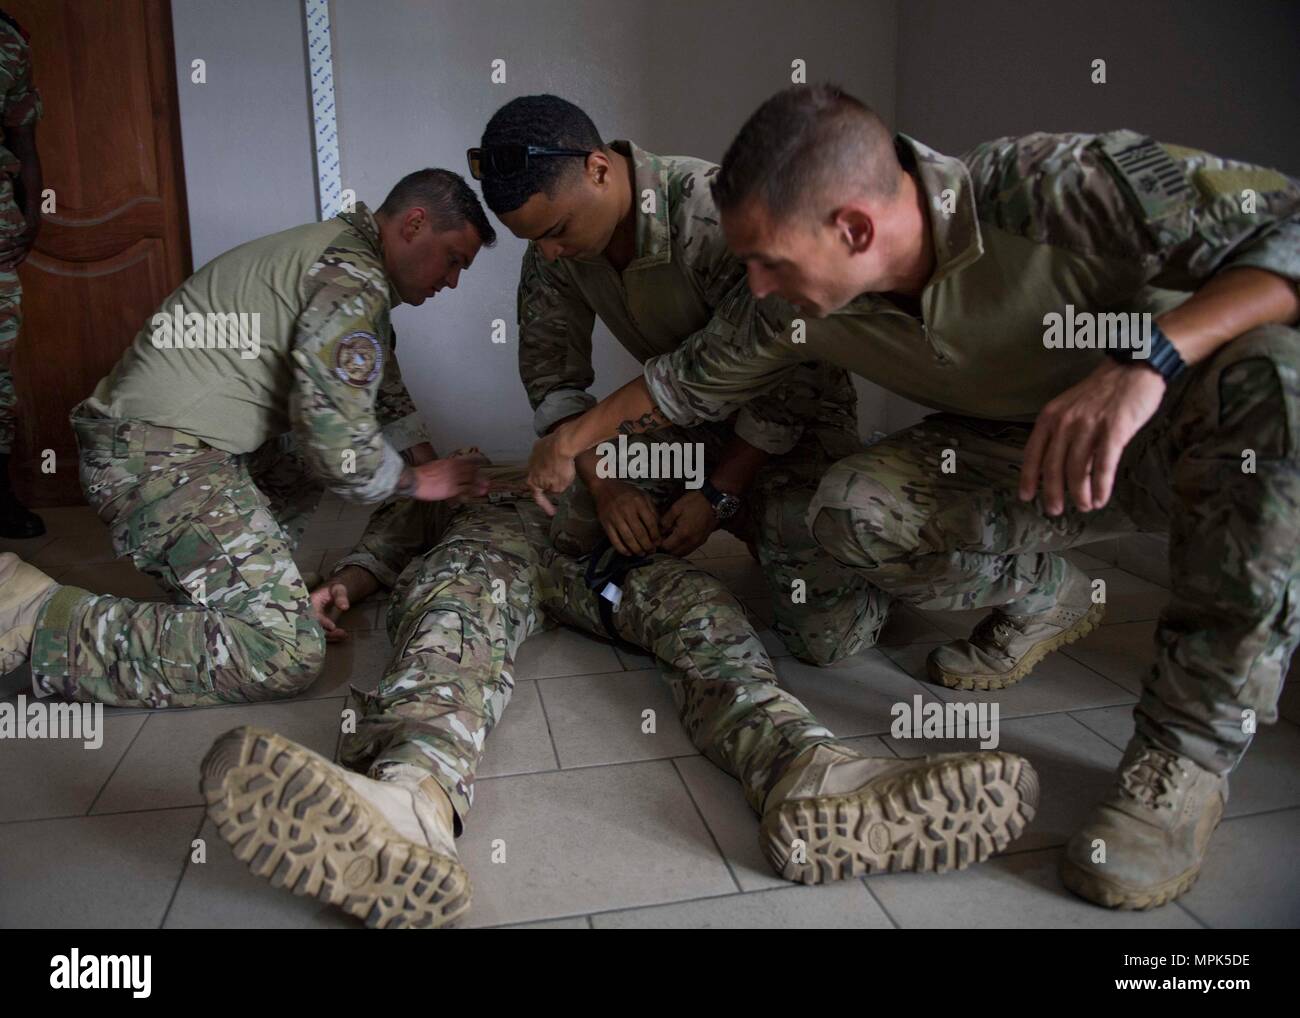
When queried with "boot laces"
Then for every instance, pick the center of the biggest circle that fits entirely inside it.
(996, 629)
(1152, 778)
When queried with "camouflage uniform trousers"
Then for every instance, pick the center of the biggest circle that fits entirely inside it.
(1217, 468)
(199, 521)
(11, 317)
(459, 614)
(835, 612)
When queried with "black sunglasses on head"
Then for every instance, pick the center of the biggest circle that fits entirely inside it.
(508, 160)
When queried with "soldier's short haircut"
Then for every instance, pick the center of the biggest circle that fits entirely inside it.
(804, 148)
(546, 121)
(447, 199)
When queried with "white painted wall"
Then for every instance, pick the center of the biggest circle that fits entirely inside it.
(246, 133)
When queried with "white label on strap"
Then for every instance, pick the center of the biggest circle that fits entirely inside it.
(329, 181)
(612, 594)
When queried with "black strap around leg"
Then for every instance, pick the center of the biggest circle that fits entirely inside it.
(607, 568)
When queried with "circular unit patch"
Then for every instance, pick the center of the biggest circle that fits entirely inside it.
(358, 359)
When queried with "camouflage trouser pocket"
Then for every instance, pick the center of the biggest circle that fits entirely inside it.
(1245, 399)
(229, 556)
(141, 495)
(440, 632)
(1254, 410)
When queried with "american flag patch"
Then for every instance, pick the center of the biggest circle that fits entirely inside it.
(1157, 182)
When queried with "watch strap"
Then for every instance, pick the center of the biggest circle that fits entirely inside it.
(714, 495)
(1163, 358)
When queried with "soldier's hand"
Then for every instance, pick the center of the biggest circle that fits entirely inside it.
(328, 602)
(550, 471)
(688, 523)
(628, 516)
(1080, 435)
(457, 477)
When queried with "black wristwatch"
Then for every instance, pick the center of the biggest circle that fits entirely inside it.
(724, 506)
(1164, 357)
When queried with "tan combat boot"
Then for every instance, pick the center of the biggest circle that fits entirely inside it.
(837, 814)
(1151, 831)
(383, 851)
(23, 591)
(1004, 648)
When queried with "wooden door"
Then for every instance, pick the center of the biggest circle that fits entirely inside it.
(118, 241)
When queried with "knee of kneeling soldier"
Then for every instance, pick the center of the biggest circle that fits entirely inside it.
(306, 658)
(849, 536)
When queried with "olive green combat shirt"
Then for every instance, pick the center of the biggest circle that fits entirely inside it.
(325, 369)
(680, 273)
(1022, 227)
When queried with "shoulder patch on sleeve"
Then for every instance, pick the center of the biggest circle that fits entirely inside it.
(358, 358)
(1216, 183)
(1154, 180)
(1182, 151)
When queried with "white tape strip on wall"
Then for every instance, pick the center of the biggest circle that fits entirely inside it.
(329, 184)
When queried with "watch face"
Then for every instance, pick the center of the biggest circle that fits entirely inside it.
(726, 507)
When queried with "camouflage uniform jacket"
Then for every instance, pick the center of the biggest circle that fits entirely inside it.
(323, 367)
(1022, 227)
(680, 273)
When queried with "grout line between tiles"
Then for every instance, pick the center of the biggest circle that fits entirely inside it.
(96, 816)
(121, 758)
(704, 820)
(185, 867)
(1092, 731)
(555, 750)
(1099, 674)
(1261, 813)
(561, 769)
(1194, 917)
(867, 884)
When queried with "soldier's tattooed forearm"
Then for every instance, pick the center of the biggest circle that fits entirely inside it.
(646, 422)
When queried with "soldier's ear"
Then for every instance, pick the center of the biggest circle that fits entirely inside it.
(414, 220)
(598, 167)
(854, 228)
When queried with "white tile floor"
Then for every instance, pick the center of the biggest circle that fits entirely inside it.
(604, 826)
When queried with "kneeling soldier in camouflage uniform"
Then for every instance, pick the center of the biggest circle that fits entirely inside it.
(376, 835)
(992, 288)
(184, 455)
(631, 237)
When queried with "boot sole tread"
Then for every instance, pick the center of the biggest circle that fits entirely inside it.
(296, 824)
(941, 818)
